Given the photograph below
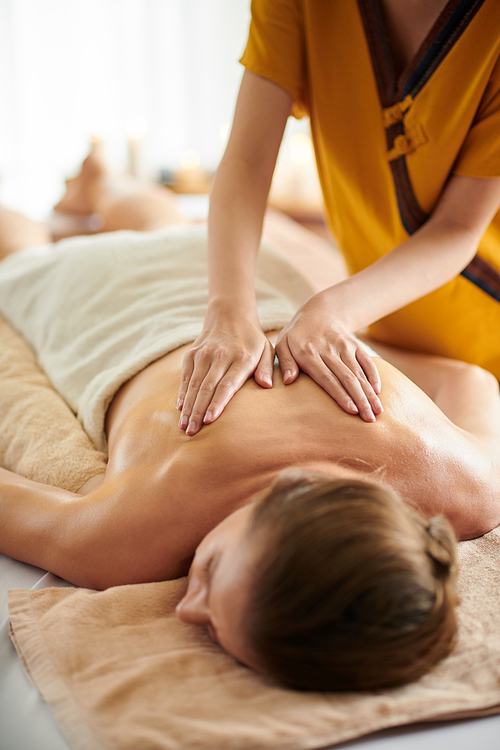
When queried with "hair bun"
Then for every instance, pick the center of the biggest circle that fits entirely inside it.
(440, 546)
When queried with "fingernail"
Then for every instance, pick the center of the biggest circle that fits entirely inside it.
(352, 406)
(208, 417)
(287, 375)
(369, 416)
(377, 387)
(191, 427)
(183, 422)
(378, 406)
(267, 379)
(180, 403)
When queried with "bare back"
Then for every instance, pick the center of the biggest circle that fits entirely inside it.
(188, 485)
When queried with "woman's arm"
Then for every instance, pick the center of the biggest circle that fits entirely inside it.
(232, 345)
(318, 340)
(108, 537)
(31, 515)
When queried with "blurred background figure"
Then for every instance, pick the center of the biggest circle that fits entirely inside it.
(154, 80)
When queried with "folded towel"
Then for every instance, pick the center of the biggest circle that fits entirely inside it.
(120, 671)
(98, 309)
(40, 437)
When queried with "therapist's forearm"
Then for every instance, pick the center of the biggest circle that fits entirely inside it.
(434, 255)
(237, 206)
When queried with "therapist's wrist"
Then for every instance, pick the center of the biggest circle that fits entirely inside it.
(335, 306)
(233, 306)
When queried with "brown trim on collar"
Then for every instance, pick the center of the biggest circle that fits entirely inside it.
(445, 32)
(483, 275)
(447, 29)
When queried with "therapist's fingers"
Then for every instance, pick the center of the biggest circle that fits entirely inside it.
(353, 379)
(369, 369)
(213, 396)
(264, 371)
(215, 392)
(219, 362)
(337, 370)
(186, 373)
(288, 365)
(198, 383)
(360, 364)
(341, 384)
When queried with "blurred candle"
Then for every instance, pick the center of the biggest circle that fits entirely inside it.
(136, 131)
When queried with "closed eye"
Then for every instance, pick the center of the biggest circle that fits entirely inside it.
(208, 565)
(209, 569)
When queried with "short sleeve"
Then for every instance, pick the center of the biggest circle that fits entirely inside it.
(480, 153)
(276, 49)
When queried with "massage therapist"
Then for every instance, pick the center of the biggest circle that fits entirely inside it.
(404, 102)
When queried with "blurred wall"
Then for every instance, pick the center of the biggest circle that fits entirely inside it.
(164, 72)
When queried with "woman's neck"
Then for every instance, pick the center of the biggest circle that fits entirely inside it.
(408, 23)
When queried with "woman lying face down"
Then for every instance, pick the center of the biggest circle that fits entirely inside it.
(327, 584)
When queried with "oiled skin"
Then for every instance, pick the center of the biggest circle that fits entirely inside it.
(187, 485)
(163, 491)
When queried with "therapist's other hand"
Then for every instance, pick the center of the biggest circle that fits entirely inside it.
(229, 350)
(317, 344)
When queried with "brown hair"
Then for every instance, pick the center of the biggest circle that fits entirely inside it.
(354, 591)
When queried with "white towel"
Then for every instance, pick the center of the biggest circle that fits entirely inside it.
(97, 310)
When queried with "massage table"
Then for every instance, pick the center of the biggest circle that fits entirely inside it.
(26, 722)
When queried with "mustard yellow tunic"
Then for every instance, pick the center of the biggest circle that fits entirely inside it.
(385, 147)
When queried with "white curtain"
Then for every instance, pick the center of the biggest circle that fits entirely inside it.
(165, 70)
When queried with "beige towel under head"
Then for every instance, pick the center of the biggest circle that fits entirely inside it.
(120, 671)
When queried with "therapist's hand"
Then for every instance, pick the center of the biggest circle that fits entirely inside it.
(315, 342)
(230, 349)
